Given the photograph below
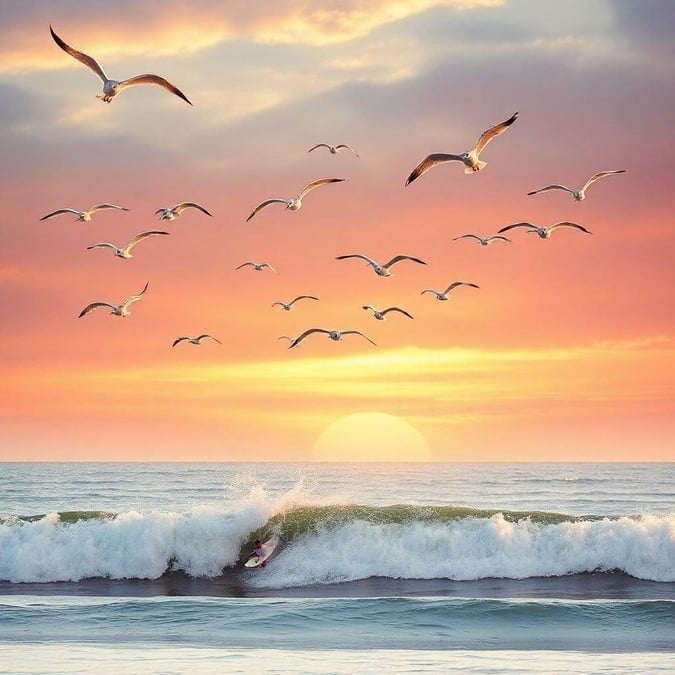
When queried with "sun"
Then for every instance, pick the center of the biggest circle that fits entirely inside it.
(371, 437)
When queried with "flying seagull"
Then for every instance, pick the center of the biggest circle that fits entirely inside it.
(545, 232)
(84, 216)
(580, 194)
(294, 203)
(332, 334)
(380, 315)
(288, 306)
(125, 252)
(172, 212)
(195, 340)
(444, 295)
(334, 149)
(112, 87)
(469, 158)
(484, 241)
(118, 310)
(381, 270)
(256, 266)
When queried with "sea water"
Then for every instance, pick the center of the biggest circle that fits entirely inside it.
(382, 568)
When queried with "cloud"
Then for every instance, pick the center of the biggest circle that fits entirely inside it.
(648, 25)
(132, 27)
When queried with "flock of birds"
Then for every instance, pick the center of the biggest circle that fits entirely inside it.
(470, 159)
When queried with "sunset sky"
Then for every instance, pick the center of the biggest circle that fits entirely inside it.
(567, 350)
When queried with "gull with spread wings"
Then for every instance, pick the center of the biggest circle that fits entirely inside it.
(294, 203)
(380, 314)
(195, 340)
(332, 334)
(580, 194)
(334, 149)
(545, 232)
(172, 212)
(381, 270)
(288, 306)
(444, 295)
(258, 267)
(112, 87)
(484, 241)
(125, 252)
(118, 310)
(469, 158)
(84, 216)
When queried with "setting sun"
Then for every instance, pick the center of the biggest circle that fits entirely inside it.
(371, 437)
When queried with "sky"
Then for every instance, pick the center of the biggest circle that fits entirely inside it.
(566, 352)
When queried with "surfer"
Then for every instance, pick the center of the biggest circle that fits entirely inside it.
(258, 552)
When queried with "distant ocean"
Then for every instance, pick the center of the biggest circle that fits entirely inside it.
(448, 568)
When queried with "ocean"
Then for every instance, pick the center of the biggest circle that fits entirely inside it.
(401, 568)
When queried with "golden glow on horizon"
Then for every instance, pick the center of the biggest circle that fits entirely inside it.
(371, 437)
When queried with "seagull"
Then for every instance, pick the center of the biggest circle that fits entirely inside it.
(380, 316)
(195, 340)
(295, 202)
(117, 310)
(84, 216)
(484, 241)
(332, 334)
(288, 306)
(545, 232)
(172, 212)
(112, 87)
(125, 252)
(334, 149)
(469, 158)
(256, 266)
(580, 194)
(452, 286)
(381, 270)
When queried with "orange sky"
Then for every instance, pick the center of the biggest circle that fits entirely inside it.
(566, 352)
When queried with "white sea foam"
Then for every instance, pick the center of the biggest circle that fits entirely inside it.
(476, 548)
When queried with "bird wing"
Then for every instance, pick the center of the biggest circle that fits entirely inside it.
(316, 183)
(567, 223)
(497, 237)
(141, 236)
(319, 145)
(179, 208)
(531, 226)
(99, 207)
(82, 58)
(492, 132)
(153, 79)
(554, 186)
(370, 307)
(262, 205)
(302, 336)
(134, 298)
(454, 285)
(206, 335)
(357, 332)
(248, 263)
(347, 147)
(469, 236)
(93, 306)
(266, 264)
(397, 309)
(301, 297)
(398, 258)
(180, 339)
(370, 261)
(430, 290)
(429, 162)
(60, 211)
(102, 244)
(600, 175)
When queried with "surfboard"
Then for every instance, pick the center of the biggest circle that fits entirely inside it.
(268, 547)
